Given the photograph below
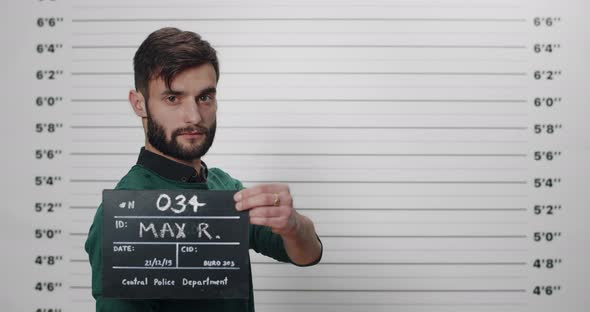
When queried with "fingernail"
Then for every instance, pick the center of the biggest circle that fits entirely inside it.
(238, 196)
(239, 206)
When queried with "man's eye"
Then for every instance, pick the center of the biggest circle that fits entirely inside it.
(205, 98)
(171, 98)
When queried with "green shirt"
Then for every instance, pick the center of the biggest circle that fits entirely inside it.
(261, 239)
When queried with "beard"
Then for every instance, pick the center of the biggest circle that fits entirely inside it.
(156, 135)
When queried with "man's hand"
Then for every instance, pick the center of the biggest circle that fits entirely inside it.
(270, 205)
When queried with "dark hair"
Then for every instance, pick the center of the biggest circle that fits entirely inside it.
(168, 51)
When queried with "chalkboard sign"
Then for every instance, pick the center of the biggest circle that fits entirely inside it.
(174, 244)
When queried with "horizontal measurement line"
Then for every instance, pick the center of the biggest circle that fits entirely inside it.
(174, 268)
(303, 19)
(412, 209)
(302, 4)
(386, 182)
(381, 222)
(423, 236)
(387, 304)
(402, 263)
(335, 181)
(339, 86)
(393, 290)
(339, 46)
(326, 127)
(442, 250)
(376, 100)
(177, 217)
(385, 73)
(344, 195)
(332, 73)
(393, 276)
(313, 154)
(340, 100)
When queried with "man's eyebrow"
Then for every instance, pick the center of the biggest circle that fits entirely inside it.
(208, 90)
(205, 91)
(172, 92)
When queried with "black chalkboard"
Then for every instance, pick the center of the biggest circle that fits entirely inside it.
(174, 244)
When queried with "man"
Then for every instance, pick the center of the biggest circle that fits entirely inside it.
(176, 75)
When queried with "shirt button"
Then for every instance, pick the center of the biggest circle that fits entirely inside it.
(183, 179)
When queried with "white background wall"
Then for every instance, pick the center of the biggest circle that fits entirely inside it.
(406, 130)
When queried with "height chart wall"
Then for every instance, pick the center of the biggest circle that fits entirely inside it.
(441, 147)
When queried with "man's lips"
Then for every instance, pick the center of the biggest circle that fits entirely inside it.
(194, 133)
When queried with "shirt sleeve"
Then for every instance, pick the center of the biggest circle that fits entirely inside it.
(93, 247)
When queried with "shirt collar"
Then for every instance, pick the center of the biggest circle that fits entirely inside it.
(171, 169)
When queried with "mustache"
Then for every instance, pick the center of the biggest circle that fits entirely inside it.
(197, 128)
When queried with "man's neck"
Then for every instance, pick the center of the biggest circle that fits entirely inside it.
(195, 163)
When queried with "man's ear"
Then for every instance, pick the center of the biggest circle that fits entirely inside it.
(137, 102)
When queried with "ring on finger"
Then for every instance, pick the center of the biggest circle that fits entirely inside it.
(277, 200)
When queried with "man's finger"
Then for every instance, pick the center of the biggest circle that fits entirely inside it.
(274, 223)
(260, 189)
(264, 199)
(268, 211)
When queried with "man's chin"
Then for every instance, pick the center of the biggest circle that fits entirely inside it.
(191, 149)
(188, 144)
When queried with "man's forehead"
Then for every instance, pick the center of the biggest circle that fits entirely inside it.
(185, 85)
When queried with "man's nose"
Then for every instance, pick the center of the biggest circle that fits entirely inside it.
(191, 114)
